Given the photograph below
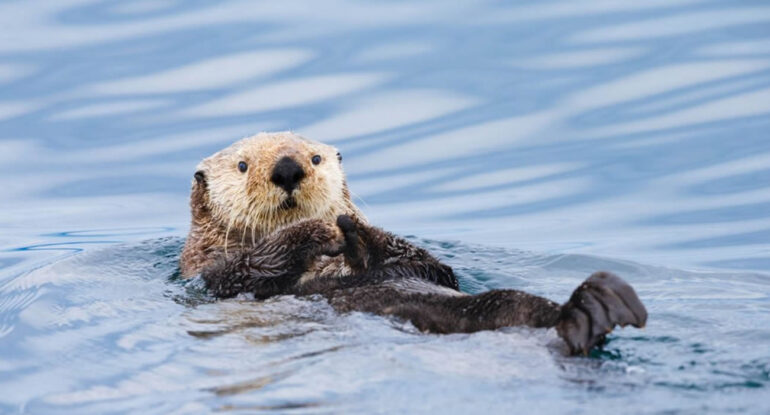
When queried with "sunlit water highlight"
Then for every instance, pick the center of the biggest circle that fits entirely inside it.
(551, 138)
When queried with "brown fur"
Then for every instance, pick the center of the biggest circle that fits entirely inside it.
(391, 277)
(232, 210)
(278, 248)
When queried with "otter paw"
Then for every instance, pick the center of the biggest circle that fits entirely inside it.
(603, 301)
(310, 238)
(352, 243)
(327, 238)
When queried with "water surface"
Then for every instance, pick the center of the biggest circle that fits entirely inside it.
(526, 143)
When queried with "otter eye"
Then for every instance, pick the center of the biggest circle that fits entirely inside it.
(316, 159)
(339, 156)
(242, 166)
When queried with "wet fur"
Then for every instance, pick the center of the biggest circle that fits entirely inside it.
(390, 276)
(245, 242)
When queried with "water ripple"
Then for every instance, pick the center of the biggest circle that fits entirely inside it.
(563, 132)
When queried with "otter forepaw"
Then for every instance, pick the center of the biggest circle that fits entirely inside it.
(308, 239)
(352, 243)
(603, 301)
(344, 232)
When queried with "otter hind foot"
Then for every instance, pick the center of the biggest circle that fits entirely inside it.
(603, 301)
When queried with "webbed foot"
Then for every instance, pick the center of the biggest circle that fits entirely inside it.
(603, 301)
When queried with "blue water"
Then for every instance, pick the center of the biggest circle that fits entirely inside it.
(525, 143)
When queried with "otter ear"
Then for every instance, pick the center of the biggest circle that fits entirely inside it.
(199, 195)
(200, 177)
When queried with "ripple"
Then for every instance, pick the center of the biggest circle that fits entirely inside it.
(683, 23)
(115, 321)
(215, 72)
(101, 233)
(587, 135)
(285, 94)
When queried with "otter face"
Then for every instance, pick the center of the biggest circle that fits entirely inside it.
(270, 180)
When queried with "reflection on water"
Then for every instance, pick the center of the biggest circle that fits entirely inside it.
(606, 128)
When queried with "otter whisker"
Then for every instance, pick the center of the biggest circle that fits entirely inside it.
(359, 198)
(227, 233)
(243, 236)
(251, 223)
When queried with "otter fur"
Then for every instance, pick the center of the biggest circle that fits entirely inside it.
(301, 235)
(257, 185)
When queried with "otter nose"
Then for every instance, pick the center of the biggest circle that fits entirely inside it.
(287, 174)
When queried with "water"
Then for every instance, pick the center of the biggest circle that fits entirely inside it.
(527, 144)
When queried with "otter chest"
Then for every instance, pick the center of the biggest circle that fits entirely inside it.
(326, 266)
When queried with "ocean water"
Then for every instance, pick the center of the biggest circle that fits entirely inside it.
(525, 143)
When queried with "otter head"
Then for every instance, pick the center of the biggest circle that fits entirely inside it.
(271, 180)
(262, 183)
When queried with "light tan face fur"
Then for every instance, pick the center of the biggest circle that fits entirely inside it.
(249, 204)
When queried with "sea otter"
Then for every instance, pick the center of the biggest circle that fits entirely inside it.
(272, 215)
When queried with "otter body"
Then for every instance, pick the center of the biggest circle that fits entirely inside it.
(301, 235)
